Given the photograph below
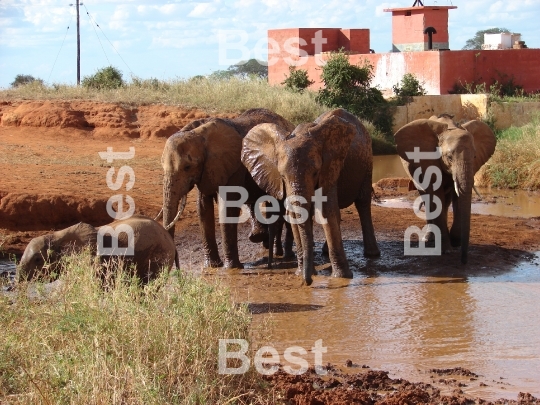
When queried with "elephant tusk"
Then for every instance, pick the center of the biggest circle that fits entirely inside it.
(159, 215)
(180, 210)
(456, 188)
(476, 191)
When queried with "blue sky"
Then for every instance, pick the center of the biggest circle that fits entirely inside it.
(179, 39)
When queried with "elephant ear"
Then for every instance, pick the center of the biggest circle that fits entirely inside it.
(78, 235)
(223, 146)
(423, 134)
(337, 135)
(484, 142)
(259, 155)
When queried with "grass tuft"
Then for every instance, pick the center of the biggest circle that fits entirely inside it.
(85, 344)
(516, 161)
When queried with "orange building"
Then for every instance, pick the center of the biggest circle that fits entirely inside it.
(420, 42)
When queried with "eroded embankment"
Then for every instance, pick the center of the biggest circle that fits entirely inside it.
(104, 120)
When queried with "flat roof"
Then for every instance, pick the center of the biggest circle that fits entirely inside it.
(420, 8)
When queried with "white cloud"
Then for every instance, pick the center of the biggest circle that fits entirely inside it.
(202, 10)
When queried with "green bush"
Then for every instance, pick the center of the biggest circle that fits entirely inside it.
(348, 86)
(409, 87)
(21, 80)
(106, 78)
(298, 80)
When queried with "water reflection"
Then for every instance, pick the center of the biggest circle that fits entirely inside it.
(387, 166)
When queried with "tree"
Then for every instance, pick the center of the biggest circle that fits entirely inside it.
(243, 70)
(348, 86)
(298, 80)
(21, 80)
(409, 87)
(478, 40)
(106, 78)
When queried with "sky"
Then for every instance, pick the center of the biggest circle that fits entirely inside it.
(184, 38)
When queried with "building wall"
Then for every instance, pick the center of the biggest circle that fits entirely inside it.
(439, 71)
(408, 31)
(487, 66)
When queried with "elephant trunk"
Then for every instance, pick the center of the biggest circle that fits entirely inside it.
(306, 235)
(305, 229)
(465, 211)
(464, 182)
(171, 198)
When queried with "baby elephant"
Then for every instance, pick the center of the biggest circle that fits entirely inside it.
(153, 247)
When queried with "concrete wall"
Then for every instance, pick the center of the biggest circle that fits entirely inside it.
(467, 107)
(514, 114)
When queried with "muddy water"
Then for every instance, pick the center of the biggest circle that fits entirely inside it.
(507, 203)
(387, 166)
(408, 322)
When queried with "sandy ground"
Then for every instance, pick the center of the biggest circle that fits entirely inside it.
(51, 176)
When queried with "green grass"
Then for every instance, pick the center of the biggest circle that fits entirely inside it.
(122, 344)
(211, 95)
(516, 161)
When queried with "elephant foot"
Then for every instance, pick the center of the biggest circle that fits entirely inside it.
(298, 272)
(288, 254)
(373, 252)
(214, 263)
(325, 249)
(258, 235)
(446, 246)
(342, 273)
(278, 251)
(233, 265)
(455, 241)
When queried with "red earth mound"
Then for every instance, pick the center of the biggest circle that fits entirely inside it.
(26, 212)
(104, 120)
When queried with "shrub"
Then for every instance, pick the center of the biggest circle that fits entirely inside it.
(409, 87)
(298, 80)
(348, 86)
(21, 80)
(106, 78)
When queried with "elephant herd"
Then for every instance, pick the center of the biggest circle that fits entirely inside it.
(312, 171)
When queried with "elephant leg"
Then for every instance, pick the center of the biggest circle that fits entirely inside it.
(289, 239)
(205, 210)
(278, 232)
(441, 221)
(259, 232)
(455, 230)
(229, 236)
(363, 206)
(332, 231)
(325, 248)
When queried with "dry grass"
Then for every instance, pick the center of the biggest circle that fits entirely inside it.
(122, 345)
(516, 161)
(212, 95)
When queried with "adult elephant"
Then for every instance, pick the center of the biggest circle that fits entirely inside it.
(153, 247)
(463, 150)
(206, 154)
(332, 154)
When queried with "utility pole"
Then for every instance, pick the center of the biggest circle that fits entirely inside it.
(77, 4)
(78, 46)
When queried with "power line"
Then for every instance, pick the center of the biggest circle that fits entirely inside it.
(92, 18)
(103, 49)
(61, 46)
